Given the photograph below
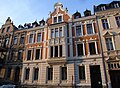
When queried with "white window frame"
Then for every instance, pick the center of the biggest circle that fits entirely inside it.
(29, 38)
(92, 29)
(27, 54)
(37, 37)
(112, 43)
(83, 49)
(107, 22)
(116, 5)
(96, 49)
(57, 15)
(116, 20)
(35, 54)
(59, 31)
(81, 30)
(103, 8)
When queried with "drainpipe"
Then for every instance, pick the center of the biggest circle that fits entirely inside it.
(103, 59)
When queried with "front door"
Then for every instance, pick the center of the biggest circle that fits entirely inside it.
(17, 73)
(115, 78)
(95, 74)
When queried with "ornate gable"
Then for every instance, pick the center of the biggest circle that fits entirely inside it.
(58, 15)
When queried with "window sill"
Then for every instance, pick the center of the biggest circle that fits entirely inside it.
(49, 81)
(82, 81)
(108, 29)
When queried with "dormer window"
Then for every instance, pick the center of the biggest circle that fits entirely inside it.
(59, 18)
(55, 19)
(116, 5)
(103, 8)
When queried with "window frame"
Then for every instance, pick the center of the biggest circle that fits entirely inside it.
(15, 40)
(29, 55)
(64, 73)
(92, 29)
(52, 33)
(105, 24)
(26, 74)
(31, 40)
(82, 49)
(117, 21)
(50, 73)
(60, 31)
(109, 44)
(82, 75)
(36, 74)
(90, 51)
(8, 28)
(22, 39)
(39, 36)
(81, 29)
(39, 54)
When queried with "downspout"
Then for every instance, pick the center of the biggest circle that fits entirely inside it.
(103, 59)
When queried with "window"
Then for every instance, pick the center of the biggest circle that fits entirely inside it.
(109, 44)
(15, 40)
(105, 24)
(59, 18)
(20, 55)
(56, 51)
(37, 54)
(29, 54)
(116, 5)
(89, 29)
(2, 30)
(9, 73)
(60, 50)
(50, 73)
(78, 31)
(80, 49)
(38, 37)
(6, 42)
(55, 19)
(22, 39)
(82, 72)
(63, 73)
(118, 21)
(56, 32)
(60, 32)
(27, 72)
(51, 51)
(8, 28)
(36, 73)
(52, 33)
(31, 38)
(92, 48)
(103, 8)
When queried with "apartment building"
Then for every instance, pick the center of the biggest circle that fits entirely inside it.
(108, 20)
(10, 68)
(84, 49)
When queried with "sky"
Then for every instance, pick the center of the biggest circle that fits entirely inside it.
(28, 11)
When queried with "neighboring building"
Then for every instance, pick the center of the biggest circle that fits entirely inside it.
(35, 54)
(8, 64)
(84, 51)
(108, 18)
